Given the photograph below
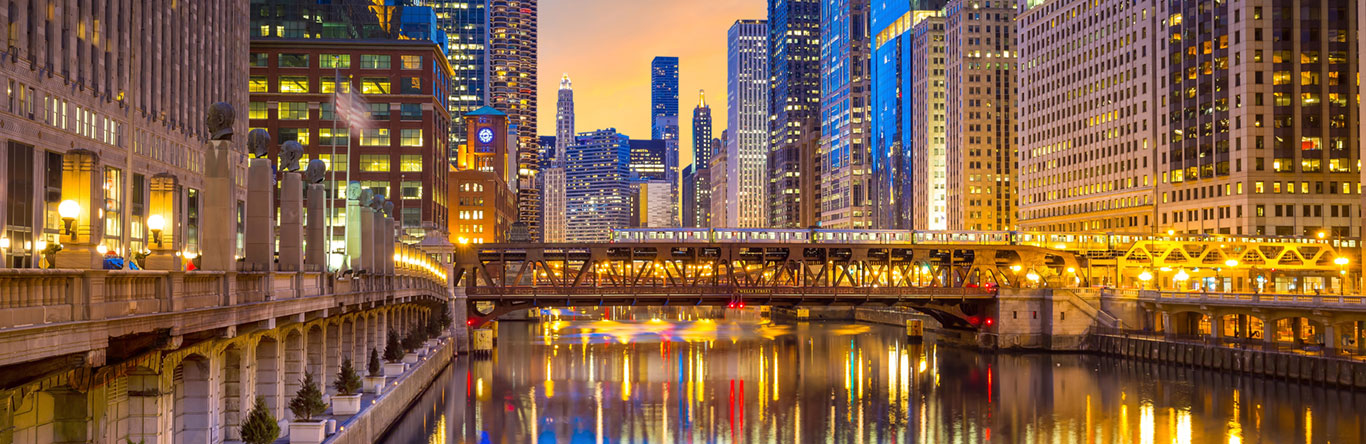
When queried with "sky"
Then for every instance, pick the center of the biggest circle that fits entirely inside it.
(606, 46)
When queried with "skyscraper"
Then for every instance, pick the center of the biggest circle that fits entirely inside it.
(511, 88)
(845, 174)
(979, 82)
(696, 186)
(794, 44)
(466, 26)
(701, 130)
(598, 187)
(554, 173)
(747, 121)
(664, 119)
(928, 158)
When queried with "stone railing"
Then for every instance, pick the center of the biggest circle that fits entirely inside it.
(1294, 300)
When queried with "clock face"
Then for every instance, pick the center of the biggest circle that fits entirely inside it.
(485, 135)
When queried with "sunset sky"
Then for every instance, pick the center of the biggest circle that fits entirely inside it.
(606, 46)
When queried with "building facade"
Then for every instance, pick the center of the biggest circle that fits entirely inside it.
(483, 197)
(979, 86)
(553, 173)
(845, 168)
(597, 177)
(511, 84)
(648, 159)
(465, 23)
(929, 162)
(794, 44)
(696, 186)
(397, 149)
(125, 120)
(721, 208)
(747, 122)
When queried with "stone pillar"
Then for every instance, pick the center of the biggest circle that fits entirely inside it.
(316, 241)
(390, 237)
(460, 327)
(291, 222)
(354, 199)
(218, 238)
(1166, 323)
(1330, 338)
(367, 235)
(260, 235)
(1216, 326)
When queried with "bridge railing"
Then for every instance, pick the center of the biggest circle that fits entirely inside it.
(1281, 299)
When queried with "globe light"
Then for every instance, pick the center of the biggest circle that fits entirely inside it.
(1145, 276)
(155, 223)
(1181, 275)
(1231, 263)
(69, 210)
(1341, 260)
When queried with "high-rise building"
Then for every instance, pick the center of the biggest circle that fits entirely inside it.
(511, 86)
(648, 159)
(721, 207)
(979, 78)
(747, 122)
(845, 169)
(93, 104)
(597, 177)
(1087, 149)
(928, 158)
(466, 25)
(650, 204)
(701, 130)
(553, 173)
(664, 119)
(1254, 117)
(794, 47)
(483, 202)
(696, 186)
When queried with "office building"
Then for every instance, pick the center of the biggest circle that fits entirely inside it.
(747, 122)
(794, 51)
(979, 76)
(650, 204)
(511, 85)
(466, 25)
(483, 200)
(663, 97)
(553, 172)
(721, 208)
(701, 131)
(845, 168)
(928, 158)
(648, 159)
(597, 180)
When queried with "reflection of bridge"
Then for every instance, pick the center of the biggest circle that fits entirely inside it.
(963, 274)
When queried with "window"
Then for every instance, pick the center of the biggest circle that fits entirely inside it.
(293, 60)
(257, 110)
(410, 111)
(326, 111)
(293, 110)
(372, 61)
(259, 84)
(296, 134)
(379, 187)
(411, 189)
(412, 217)
(329, 136)
(374, 85)
(375, 137)
(412, 62)
(339, 166)
(259, 60)
(331, 84)
(410, 163)
(113, 206)
(335, 60)
(410, 85)
(293, 84)
(374, 163)
(410, 137)
(379, 111)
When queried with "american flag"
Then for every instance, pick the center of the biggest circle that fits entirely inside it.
(351, 107)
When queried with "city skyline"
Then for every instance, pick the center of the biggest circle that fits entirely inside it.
(617, 94)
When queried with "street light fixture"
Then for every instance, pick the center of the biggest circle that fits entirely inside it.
(69, 210)
(155, 223)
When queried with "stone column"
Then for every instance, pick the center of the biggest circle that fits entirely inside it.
(291, 222)
(367, 235)
(316, 241)
(260, 234)
(1330, 338)
(355, 202)
(218, 238)
(1216, 327)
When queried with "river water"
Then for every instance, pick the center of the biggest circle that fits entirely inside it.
(723, 381)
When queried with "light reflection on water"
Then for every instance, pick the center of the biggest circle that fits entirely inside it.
(726, 381)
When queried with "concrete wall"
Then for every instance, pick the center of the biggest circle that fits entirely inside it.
(370, 424)
(1313, 369)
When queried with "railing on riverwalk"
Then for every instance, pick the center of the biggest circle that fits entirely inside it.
(1289, 300)
(1301, 348)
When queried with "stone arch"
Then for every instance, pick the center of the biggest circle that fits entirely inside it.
(190, 391)
(316, 354)
(1294, 329)
(268, 374)
(53, 414)
(144, 405)
(293, 362)
(230, 389)
(1190, 323)
(1239, 325)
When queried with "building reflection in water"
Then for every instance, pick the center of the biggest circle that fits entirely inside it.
(726, 381)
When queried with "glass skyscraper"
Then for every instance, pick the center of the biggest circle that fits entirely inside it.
(597, 184)
(465, 23)
(747, 122)
(794, 45)
(664, 98)
(844, 167)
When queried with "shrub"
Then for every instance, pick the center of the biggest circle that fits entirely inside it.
(413, 340)
(434, 328)
(393, 350)
(260, 426)
(308, 401)
(373, 366)
(348, 382)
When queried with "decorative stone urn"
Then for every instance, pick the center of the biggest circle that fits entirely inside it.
(345, 405)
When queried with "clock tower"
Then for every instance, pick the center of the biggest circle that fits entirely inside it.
(486, 146)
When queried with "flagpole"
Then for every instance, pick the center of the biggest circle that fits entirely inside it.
(351, 95)
(331, 207)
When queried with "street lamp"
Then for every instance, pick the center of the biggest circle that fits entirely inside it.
(1342, 271)
(1145, 276)
(155, 223)
(1181, 276)
(69, 210)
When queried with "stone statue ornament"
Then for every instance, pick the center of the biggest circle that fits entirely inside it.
(258, 143)
(219, 120)
(290, 152)
(315, 171)
(389, 209)
(364, 196)
(376, 202)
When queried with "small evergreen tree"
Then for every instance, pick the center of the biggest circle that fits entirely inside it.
(445, 319)
(348, 382)
(308, 401)
(373, 365)
(413, 340)
(393, 351)
(260, 426)
(434, 328)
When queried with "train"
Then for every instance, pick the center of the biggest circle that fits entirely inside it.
(1061, 241)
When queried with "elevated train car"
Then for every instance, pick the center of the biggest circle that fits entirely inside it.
(1060, 241)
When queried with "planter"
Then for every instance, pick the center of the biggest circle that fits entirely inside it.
(307, 432)
(410, 358)
(374, 384)
(345, 405)
(432, 344)
(394, 369)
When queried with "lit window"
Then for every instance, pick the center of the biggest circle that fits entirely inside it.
(256, 110)
(412, 62)
(372, 61)
(259, 84)
(293, 110)
(374, 85)
(410, 163)
(293, 84)
(335, 60)
(331, 84)
(339, 166)
(411, 189)
(293, 60)
(329, 136)
(375, 137)
(296, 134)
(374, 163)
(410, 137)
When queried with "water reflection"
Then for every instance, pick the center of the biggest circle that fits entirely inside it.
(727, 381)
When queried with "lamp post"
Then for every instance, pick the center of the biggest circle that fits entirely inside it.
(1342, 261)
(1181, 276)
(1144, 277)
(155, 223)
(69, 210)
(1231, 264)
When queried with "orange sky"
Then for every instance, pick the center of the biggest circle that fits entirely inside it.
(606, 46)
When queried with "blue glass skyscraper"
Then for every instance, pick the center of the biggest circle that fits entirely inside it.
(664, 97)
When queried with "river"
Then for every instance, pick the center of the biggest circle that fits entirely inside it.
(746, 380)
